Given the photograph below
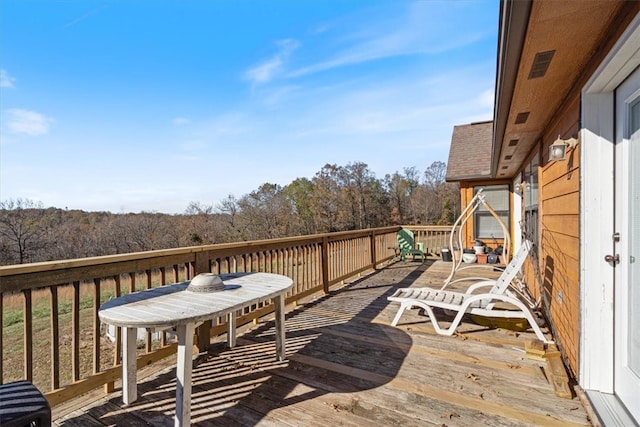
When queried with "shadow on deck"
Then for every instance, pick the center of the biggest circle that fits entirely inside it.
(347, 366)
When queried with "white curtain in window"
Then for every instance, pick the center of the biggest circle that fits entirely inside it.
(497, 196)
(487, 227)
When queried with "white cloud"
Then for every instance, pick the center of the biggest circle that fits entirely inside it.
(27, 122)
(85, 16)
(5, 79)
(269, 69)
(180, 121)
(425, 28)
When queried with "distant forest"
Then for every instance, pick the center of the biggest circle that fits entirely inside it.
(337, 198)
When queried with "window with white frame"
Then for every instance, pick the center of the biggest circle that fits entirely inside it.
(486, 226)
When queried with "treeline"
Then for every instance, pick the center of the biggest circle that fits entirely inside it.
(337, 198)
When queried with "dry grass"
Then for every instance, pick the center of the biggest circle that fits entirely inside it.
(13, 331)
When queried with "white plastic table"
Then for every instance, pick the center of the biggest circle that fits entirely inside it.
(173, 307)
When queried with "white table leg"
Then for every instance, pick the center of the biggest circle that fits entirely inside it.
(280, 333)
(183, 374)
(129, 381)
(231, 329)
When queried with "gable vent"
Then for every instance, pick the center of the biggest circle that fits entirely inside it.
(541, 63)
(508, 157)
(522, 118)
(513, 142)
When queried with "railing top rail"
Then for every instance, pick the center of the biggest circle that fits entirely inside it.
(429, 227)
(258, 245)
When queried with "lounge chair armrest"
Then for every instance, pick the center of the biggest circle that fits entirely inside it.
(482, 284)
(493, 298)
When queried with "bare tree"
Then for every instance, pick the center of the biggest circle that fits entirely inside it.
(233, 227)
(23, 228)
(434, 175)
(197, 208)
(443, 198)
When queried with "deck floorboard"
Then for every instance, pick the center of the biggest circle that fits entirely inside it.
(346, 366)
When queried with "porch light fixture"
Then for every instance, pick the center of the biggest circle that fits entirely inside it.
(521, 187)
(558, 150)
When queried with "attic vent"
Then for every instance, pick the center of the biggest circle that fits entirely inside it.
(508, 157)
(541, 63)
(522, 118)
(513, 142)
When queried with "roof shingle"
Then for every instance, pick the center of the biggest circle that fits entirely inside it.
(470, 152)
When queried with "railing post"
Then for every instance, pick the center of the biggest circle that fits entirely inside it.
(374, 256)
(325, 264)
(203, 331)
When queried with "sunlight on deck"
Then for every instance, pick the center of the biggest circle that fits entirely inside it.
(347, 366)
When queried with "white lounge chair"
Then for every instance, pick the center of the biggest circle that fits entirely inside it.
(480, 304)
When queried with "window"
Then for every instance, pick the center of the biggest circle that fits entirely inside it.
(530, 178)
(485, 225)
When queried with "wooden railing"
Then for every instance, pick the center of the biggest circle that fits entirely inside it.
(51, 334)
(434, 237)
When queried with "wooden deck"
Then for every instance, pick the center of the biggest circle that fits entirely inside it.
(347, 367)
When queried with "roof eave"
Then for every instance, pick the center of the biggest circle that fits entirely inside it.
(467, 178)
(514, 19)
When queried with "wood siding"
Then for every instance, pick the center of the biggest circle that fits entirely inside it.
(555, 275)
(558, 267)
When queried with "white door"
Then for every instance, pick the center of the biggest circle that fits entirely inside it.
(627, 248)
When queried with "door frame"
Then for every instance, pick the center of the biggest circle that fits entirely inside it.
(596, 371)
(626, 380)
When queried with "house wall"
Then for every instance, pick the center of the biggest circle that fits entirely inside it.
(557, 271)
(554, 275)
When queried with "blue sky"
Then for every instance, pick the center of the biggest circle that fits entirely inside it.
(129, 106)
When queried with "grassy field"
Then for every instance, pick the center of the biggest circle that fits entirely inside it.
(13, 332)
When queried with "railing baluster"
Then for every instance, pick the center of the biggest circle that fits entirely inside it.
(132, 282)
(75, 333)
(28, 335)
(163, 282)
(117, 348)
(55, 341)
(149, 337)
(96, 326)
(117, 353)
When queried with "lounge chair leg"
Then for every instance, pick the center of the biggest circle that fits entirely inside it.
(401, 310)
(434, 321)
(536, 328)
